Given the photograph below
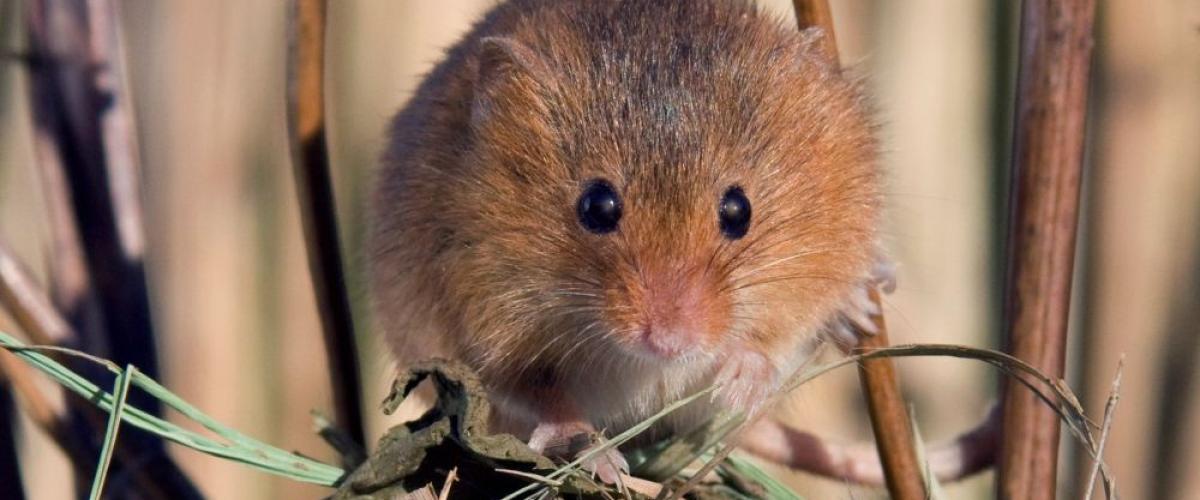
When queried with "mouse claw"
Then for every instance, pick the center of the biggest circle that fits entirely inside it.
(608, 464)
(862, 308)
(856, 316)
(844, 333)
(855, 320)
(883, 275)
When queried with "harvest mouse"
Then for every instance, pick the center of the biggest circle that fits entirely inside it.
(605, 206)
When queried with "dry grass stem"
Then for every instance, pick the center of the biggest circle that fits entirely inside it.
(1110, 407)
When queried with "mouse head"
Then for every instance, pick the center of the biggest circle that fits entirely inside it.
(666, 201)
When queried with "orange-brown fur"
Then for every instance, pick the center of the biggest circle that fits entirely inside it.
(476, 252)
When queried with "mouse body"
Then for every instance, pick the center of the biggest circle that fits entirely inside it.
(604, 206)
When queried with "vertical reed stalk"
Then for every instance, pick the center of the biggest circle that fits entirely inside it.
(1052, 82)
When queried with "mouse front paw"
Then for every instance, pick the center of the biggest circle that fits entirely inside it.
(747, 380)
(579, 439)
(855, 318)
(606, 462)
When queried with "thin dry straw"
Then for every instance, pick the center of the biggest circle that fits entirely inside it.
(1109, 408)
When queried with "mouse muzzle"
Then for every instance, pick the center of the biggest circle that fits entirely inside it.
(680, 313)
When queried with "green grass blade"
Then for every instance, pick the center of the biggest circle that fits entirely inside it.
(120, 391)
(775, 490)
(241, 449)
(169, 398)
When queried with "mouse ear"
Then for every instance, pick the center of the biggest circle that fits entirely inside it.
(501, 57)
(509, 74)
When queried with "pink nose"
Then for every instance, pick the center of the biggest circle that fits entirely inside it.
(674, 315)
(669, 343)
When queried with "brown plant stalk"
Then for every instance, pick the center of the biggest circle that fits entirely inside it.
(1055, 49)
(889, 414)
(318, 213)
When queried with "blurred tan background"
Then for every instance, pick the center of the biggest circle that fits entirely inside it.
(233, 301)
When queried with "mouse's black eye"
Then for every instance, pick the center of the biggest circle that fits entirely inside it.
(599, 207)
(734, 213)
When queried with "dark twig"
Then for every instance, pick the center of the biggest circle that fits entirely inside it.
(1055, 49)
(81, 112)
(10, 467)
(85, 140)
(318, 213)
(71, 287)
